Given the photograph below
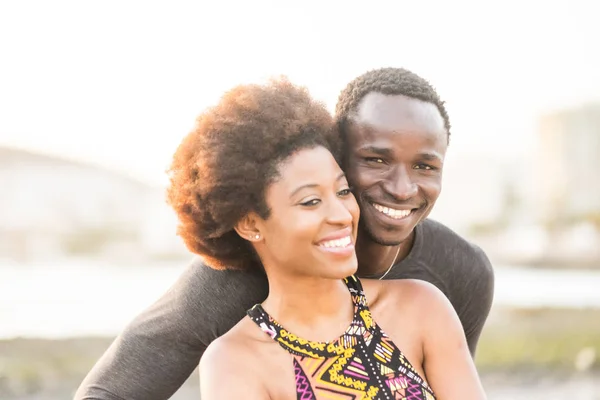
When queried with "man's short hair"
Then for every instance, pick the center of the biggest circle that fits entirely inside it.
(391, 81)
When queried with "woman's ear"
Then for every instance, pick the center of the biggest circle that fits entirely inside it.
(248, 229)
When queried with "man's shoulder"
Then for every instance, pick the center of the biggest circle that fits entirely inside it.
(202, 284)
(442, 234)
(205, 301)
(445, 245)
(202, 278)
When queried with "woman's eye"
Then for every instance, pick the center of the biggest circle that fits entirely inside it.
(345, 192)
(312, 202)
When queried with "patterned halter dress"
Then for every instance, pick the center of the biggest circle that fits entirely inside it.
(362, 364)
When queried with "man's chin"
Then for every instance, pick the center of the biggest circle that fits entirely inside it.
(387, 237)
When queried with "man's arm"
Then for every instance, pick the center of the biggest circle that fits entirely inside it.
(478, 295)
(161, 347)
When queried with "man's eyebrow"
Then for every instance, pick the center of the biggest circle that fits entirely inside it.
(430, 156)
(382, 151)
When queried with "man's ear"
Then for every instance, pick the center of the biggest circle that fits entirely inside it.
(248, 228)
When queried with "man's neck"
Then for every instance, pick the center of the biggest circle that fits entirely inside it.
(375, 259)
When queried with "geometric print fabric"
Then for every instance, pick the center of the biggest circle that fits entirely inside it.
(362, 364)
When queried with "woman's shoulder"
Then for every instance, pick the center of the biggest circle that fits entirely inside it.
(401, 308)
(240, 343)
(403, 294)
(236, 353)
(405, 299)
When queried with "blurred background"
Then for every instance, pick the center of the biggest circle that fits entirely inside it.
(95, 97)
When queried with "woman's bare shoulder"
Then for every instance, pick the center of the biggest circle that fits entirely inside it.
(401, 292)
(240, 342)
(236, 353)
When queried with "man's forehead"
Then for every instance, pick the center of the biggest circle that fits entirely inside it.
(398, 113)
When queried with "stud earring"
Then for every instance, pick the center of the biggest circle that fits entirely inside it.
(257, 236)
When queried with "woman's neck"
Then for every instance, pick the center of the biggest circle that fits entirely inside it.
(316, 309)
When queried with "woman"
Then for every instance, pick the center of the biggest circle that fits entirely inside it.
(256, 185)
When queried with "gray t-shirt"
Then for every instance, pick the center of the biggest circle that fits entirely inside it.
(158, 351)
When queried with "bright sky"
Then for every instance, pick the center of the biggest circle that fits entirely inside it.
(120, 82)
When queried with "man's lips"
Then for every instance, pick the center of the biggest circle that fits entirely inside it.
(397, 213)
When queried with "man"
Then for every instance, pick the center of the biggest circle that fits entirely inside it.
(396, 132)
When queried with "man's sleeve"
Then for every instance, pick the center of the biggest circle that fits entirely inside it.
(160, 348)
(478, 298)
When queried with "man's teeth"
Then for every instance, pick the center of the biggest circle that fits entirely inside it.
(390, 212)
(343, 242)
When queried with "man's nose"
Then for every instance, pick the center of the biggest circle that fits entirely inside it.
(399, 183)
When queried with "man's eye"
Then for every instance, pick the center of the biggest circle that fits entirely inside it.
(424, 166)
(374, 160)
(312, 202)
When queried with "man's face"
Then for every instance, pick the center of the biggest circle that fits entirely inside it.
(394, 158)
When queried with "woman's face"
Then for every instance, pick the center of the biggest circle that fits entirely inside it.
(312, 228)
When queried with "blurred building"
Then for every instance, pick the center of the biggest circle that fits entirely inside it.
(568, 185)
(542, 209)
(51, 208)
(474, 191)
